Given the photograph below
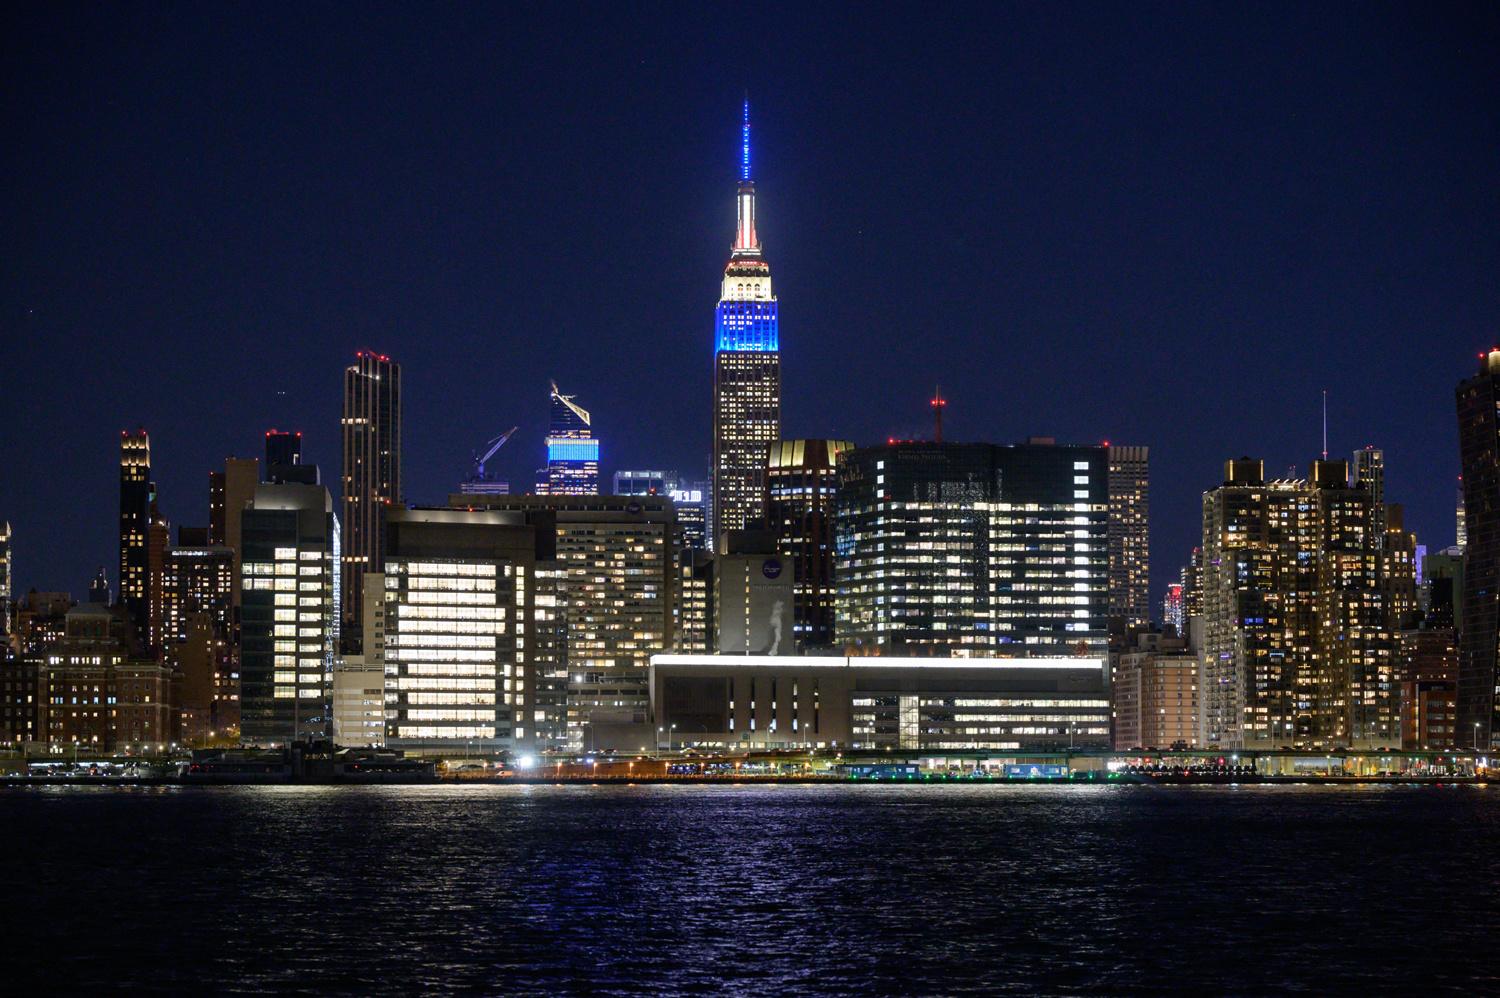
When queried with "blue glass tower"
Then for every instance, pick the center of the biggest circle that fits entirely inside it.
(747, 369)
(572, 451)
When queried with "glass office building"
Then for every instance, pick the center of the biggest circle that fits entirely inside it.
(972, 549)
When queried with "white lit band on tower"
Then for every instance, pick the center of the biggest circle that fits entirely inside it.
(747, 370)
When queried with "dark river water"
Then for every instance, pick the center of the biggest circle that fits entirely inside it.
(781, 889)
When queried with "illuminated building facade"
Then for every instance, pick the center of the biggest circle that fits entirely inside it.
(572, 450)
(359, 699)
(1130, 535)
(802, 483)
(1155, 695)
(96, 696)
(464, 622)
(615, 555)
(882, 703)
(371, 429)
(747, 371)
(136, 492)
(290, 594)
(1172, 610)
(693, 602)
(1367, 471)
(1299, 646)
(972, 549)
(199, 636)
(1478, 403)
(1429, 673)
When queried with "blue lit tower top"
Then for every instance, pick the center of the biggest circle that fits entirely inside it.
(747, 308)
(572, 450)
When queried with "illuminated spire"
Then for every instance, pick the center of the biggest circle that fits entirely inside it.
(745, 241)
(745, 142)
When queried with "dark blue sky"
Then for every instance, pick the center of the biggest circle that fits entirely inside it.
(1145, 223)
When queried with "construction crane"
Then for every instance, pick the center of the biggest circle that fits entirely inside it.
(477, 480)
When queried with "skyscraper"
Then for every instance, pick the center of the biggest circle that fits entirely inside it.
(1129, 535)
(135, 523)
(289, 627)
(802, 481)
(1367, 471)
(972, 549)
(463, 621)
(572, 451)
(616, 593)
(372, 470)
(1479, 638)
(1298, 644)
(1171, 609)
(747, 370)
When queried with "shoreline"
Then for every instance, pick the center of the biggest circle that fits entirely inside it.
(809, 780)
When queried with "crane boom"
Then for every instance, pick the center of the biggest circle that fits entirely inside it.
(493, 445)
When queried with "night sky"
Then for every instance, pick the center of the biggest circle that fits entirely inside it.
(1151, 224)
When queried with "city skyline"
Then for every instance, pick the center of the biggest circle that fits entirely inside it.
(836, 385)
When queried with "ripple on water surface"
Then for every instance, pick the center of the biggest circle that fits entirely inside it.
(849, 888)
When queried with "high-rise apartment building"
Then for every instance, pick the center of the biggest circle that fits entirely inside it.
(290, 612)
(1155, 695)
(1367, 471)
(615, 554)
(230, 491)
(972, 549)
(1478, 400)
(1298, 643)
(572, 449)
(1130, 535)
(135, 521)
(747, 371)
(802, 483)
(464, 619)
(158, 540)
(372, 471)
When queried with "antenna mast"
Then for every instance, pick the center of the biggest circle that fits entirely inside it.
(1325, 424)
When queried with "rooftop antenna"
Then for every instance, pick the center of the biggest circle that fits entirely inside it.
(1325, 424)
(937, 404)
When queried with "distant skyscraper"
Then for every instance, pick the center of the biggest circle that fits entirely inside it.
(282, 448)
(1129, 535)
(747, 370)
(1479, 639)
(99, 588)
(1367, 471)
(1171, 609)
(802, 481)
(691, 500)
(572, 451)
(135, 523)
(972, 549)
(372, 470)
(289, 624)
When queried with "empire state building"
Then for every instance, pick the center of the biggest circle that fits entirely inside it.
(747, 370)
